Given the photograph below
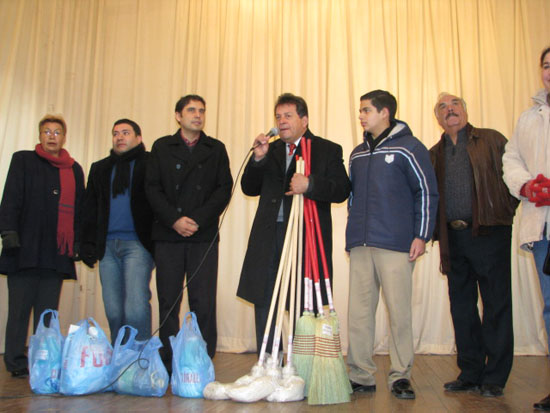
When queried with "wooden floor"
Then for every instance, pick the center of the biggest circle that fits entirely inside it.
(529, 382)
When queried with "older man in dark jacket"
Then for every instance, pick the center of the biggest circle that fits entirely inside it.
(474, 230)
(270, 173)
(188, 185)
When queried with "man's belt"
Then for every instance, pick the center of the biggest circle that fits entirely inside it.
(459, 224)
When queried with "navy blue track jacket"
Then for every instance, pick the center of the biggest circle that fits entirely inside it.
(394, 193)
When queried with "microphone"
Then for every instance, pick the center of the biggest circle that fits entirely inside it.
(272, 132)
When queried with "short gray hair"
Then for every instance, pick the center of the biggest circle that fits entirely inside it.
(442, 95)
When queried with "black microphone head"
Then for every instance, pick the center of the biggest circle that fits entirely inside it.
(272, 132)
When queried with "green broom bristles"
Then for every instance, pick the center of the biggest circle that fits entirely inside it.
(304, 347)
(329, 382)
(336, 331)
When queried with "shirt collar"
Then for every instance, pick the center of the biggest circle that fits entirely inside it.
(297, 143)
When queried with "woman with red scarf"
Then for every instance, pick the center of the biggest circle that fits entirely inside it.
(38, 224)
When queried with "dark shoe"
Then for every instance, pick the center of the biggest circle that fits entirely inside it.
(544, 404)
(21, 373)
(402, 389)
(459, 385)
(362, 388)
(491, 390)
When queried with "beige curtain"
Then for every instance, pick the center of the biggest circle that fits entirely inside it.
(96, 61)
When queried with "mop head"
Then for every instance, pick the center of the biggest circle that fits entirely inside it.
(273, 369)
(329, 382)
(257, 390)
(269, 382)
(289, 389)
(303, 348)
(218, 391)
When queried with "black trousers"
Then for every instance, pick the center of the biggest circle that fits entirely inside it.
(28, 290)
(485, 347)
(177, 262)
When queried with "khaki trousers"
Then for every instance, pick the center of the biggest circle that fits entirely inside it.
(372, 268)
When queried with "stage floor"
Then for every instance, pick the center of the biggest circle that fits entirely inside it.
(528, 383)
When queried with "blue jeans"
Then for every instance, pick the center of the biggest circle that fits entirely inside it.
(125, 273)
(539, 253)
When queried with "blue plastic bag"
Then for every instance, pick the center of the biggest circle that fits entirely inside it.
(145, 377)
(45, 349)
(86, 360)
(192, 368)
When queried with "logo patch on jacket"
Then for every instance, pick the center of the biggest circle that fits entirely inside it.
(389, 158)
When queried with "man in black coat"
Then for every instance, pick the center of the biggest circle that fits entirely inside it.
(116, 230)
(188, 185)
(270, 173)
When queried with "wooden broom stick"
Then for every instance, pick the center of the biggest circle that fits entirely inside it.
(276, 289)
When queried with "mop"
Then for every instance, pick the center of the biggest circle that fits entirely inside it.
(291, 386)
(267, 379)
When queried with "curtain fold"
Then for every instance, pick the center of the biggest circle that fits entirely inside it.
(96, 61)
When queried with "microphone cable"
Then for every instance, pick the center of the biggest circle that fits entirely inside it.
(272, 132)
(143, 362)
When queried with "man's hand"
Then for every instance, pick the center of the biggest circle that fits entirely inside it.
(260, 145)
(298, 184)
(10, 240)
(418, 247)
(185, 226)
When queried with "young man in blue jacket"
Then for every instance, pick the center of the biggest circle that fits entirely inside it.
(392, 210)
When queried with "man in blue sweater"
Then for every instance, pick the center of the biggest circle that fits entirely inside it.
(117, 222)
(392, 210)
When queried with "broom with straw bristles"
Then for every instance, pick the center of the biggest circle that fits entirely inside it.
(333, 318)
(304, 336)
(329, 382)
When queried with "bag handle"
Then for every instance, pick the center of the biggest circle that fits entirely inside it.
(120, 336)
(193, 323)
(91, 321)
(53, 319)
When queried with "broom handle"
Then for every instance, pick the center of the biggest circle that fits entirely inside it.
(308, 298)
(314, 259)
(300, 166)
(314, 214)
(284, 286)
(293, 275)
(308, 281)
(275, 290)
(323, 254)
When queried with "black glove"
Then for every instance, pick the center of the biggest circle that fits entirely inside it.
(10, 239)
(88, 254)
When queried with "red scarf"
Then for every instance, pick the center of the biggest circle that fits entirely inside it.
(65, 209)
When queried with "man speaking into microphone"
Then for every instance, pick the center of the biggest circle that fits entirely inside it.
(271, 174)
